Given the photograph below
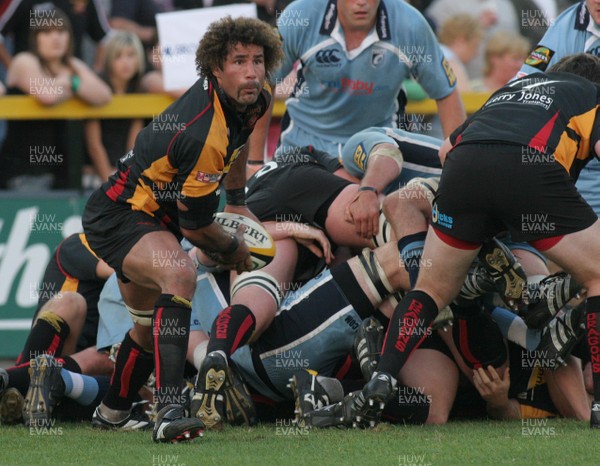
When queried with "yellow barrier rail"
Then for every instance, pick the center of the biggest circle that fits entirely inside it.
(149, 105)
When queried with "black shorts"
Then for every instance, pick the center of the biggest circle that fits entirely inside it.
(489, 188)
(299, 193)
(113, 229)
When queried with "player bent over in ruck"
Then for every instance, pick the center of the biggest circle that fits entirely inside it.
(167, 188)
(511, 166)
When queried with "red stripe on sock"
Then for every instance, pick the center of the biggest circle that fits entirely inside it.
(248, 321)
(156, 333)
(344, 369)
(54, 345)
(464, 345)
(127, 370)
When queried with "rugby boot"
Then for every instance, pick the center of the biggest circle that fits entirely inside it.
(172, 426)
(239, 406)
(547, 297)
(11, 406)
(368, 344)
(562, 333)
(312, 391)
(505, 271)
(46, 389)
(134, 419)
(208, 402)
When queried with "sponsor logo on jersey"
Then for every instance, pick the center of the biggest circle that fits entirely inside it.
(328, 57)
(449, 72)
(441, 218)
(377, 57)
(208, 177)
(540, 57)
(360, 156)
(350, 86)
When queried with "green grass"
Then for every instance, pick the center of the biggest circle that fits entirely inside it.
(558, 442)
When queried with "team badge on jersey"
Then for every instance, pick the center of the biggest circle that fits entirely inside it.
(208, 177)
(377, 57)
(449, 72)
(540, 57)
(360, 156)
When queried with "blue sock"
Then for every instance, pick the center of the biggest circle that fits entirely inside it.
(514, 329)
(411, 250)
(81, 388)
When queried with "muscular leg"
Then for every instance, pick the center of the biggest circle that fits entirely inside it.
(437, 285)
(162, 278)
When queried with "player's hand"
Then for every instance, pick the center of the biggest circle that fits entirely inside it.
(492, 388)
(313, 239)
(363, 211)
(239, 260)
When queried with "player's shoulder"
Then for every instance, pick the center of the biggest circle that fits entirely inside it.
(575, 18)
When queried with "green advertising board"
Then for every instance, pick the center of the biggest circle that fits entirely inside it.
(30, 230)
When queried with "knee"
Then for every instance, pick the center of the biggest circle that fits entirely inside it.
(69, 305)
(181, 282)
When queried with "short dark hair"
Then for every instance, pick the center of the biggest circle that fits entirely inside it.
(223, 35)
(585, 65)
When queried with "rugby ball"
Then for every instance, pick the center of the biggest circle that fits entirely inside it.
(259, 241)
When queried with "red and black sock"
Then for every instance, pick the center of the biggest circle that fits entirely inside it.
(170, 334)
(409, 325)
(593, 339)
(47, 336)
(132, 369)
(232, 328)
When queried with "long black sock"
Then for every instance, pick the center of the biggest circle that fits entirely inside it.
(593, 339)
(132, 369)
(170, 333)
(47, 336)
(232, 328)
(409, 325)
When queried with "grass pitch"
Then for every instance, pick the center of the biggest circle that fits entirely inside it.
(531, 443)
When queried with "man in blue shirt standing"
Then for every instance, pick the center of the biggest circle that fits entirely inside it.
(353, 57)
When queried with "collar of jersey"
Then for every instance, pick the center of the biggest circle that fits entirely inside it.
(338, 35)
(330, 22)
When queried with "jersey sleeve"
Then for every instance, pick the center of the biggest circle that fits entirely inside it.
(558, 41)
(430, 67)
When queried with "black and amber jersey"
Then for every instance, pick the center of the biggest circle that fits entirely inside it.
(183, 154)
(545, 113)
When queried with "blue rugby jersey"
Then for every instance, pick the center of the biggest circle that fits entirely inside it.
(340, 92)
